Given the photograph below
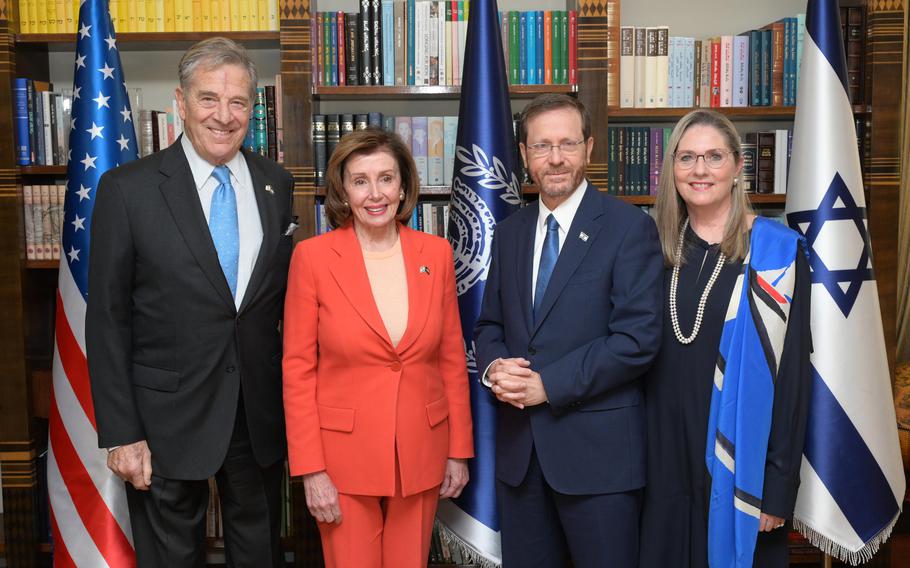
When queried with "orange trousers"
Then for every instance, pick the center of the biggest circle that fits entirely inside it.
(381, 532)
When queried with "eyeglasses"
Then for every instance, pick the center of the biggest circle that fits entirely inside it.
(567, 148)
(714, 159)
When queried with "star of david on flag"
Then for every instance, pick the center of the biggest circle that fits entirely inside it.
(852, 479)
(89, 517)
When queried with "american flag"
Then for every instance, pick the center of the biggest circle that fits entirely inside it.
(89, 517)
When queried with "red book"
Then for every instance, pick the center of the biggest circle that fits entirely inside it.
(573, 48)
(547, 47)
(341, 39)
(715, 72)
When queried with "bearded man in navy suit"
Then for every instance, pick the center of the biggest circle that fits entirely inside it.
(571, 319)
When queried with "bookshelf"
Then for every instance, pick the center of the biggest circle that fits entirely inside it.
(27, 288)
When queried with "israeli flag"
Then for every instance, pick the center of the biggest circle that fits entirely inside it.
(485, 190)
(852, 480)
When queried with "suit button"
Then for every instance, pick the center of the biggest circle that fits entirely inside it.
(532, 351)
(230, 369)
(396, 366)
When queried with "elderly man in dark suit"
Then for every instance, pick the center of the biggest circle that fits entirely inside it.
(571, 319)
(189, 261)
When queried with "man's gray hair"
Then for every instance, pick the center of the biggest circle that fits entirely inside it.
(211, 54)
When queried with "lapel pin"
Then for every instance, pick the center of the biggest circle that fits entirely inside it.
(583, 236)
(425, 270)
(269, 189)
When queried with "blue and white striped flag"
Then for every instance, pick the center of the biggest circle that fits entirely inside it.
(852, 480)
(485, 190)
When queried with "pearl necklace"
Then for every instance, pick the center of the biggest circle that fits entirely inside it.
(674, 280)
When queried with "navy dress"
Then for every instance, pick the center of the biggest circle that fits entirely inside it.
(678, 394)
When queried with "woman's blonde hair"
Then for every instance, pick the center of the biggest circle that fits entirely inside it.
(671, 209)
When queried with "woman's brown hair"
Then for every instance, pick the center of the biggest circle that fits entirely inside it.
(368, 141)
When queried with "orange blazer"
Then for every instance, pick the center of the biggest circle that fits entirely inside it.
(351, 399)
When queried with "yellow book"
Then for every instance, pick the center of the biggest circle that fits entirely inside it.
(245, 15)
(253, 16)
(41, 11)
(159, 15)
(205, 14)
(178, 15)
(188, 16)
(225, 15)
(23, 17)
(69, 19)
(51, 16)
(197, 15)
(113, 7)
(151, 15)
(170, 14)
(273, 15)
(60, 11)
(215, 9)
(32, 16)
(131, 7)
(262, 10)
(235, 16)
(141, 10)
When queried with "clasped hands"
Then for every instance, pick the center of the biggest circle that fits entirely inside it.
(514, 382)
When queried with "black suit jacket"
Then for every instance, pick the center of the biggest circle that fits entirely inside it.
(598, 331)
(168, 353)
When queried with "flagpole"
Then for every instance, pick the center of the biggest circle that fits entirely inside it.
(827, 562)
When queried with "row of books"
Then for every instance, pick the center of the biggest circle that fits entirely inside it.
(756, 68)
(60, 16)
(43, 216)
(409, 42)
(431, 140)
(429, 217)
(635, 155)
(42, 121)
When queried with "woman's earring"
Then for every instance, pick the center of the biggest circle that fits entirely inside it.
(346, 203)
(735, 182)
(401, 196)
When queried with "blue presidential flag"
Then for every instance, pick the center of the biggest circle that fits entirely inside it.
(852, 480)
(89, 517)
(485, 190)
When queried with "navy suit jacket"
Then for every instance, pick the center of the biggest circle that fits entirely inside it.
(598, 332)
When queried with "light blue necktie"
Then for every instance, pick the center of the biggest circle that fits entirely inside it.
(224, 227)
(548, 255)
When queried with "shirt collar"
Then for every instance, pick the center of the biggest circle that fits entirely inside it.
(202, 170)
(565, 212)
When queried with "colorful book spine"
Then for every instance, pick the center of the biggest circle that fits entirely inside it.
(435, 150)
(450, 132)
(573, 47)
(20, 117)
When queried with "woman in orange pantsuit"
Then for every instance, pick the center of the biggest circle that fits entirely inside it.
(375, 381)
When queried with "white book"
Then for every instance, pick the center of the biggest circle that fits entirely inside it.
(705, 85)
(419, 33)
(662, 73)
(450, 131)
(780, 161)
(432, 40)
(162, 131)
(640, 50)
(56, 214)
(726, 71)
(47, 229)
(651, 68)
(462, 39)
(741, 71)
(38, 222)
(46, 102)
(29, 221)
(441, 51)
(627, 67)
(62, 127)
(689, 72)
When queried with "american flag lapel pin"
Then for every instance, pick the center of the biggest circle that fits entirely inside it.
(268, 189)
(425, 270)
(583, 236)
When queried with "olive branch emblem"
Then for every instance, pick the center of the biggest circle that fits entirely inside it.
(495, 175)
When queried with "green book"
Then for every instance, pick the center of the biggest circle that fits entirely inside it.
(556, 46)
(564, 50)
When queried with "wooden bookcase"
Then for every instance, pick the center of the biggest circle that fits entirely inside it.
(27, 289)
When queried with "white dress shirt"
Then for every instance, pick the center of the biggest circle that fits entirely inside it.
(564, 214)
(248, 221)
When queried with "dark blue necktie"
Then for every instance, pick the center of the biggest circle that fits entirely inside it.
(548, 255)
(224, 226)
